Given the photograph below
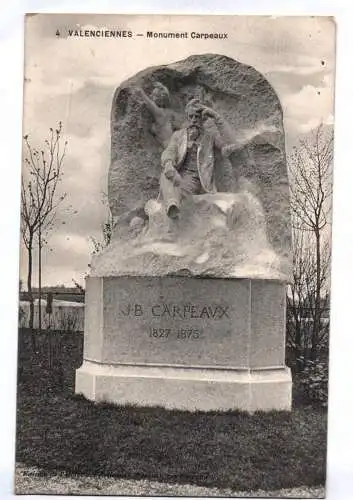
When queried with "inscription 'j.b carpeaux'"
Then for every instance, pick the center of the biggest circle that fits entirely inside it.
(176, 311)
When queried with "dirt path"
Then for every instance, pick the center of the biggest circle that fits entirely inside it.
(31, 480)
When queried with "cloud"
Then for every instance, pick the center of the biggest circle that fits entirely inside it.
(287, 80)
(305, 109)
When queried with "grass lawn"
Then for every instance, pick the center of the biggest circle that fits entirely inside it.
(59, 431)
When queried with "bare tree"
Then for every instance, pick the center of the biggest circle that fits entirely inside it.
(41, 175)
(310, 173)
(80, 288)
(301, 297)
(296, 297)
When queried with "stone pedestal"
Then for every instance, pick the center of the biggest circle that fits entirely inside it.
(187, 343)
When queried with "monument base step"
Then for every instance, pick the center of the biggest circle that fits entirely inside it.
(192, 389)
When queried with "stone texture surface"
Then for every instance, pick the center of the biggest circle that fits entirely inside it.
(268, 323)
(169, 321)
(186, 389)
(192, 343)
(183, 321)
(222, 235)
(94, 326)
(250, 106)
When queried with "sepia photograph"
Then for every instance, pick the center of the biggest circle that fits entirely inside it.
(175, 255)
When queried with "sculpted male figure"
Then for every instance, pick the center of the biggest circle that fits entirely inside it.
(188, 161)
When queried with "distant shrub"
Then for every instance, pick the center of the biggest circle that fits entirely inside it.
(21, 316)
(67, 320)
(313, 381)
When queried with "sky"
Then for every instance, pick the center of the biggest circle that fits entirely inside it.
(72, 80)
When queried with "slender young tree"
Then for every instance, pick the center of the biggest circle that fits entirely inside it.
(310, 176)
(296, 297)
(301, 297)
(41, 175)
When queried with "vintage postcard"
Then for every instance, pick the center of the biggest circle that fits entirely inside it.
(174, 289)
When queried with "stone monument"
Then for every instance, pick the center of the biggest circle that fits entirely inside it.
(186, 308)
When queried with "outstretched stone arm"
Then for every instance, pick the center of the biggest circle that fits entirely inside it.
(224, 134)
(152, 106)
(211, 113)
